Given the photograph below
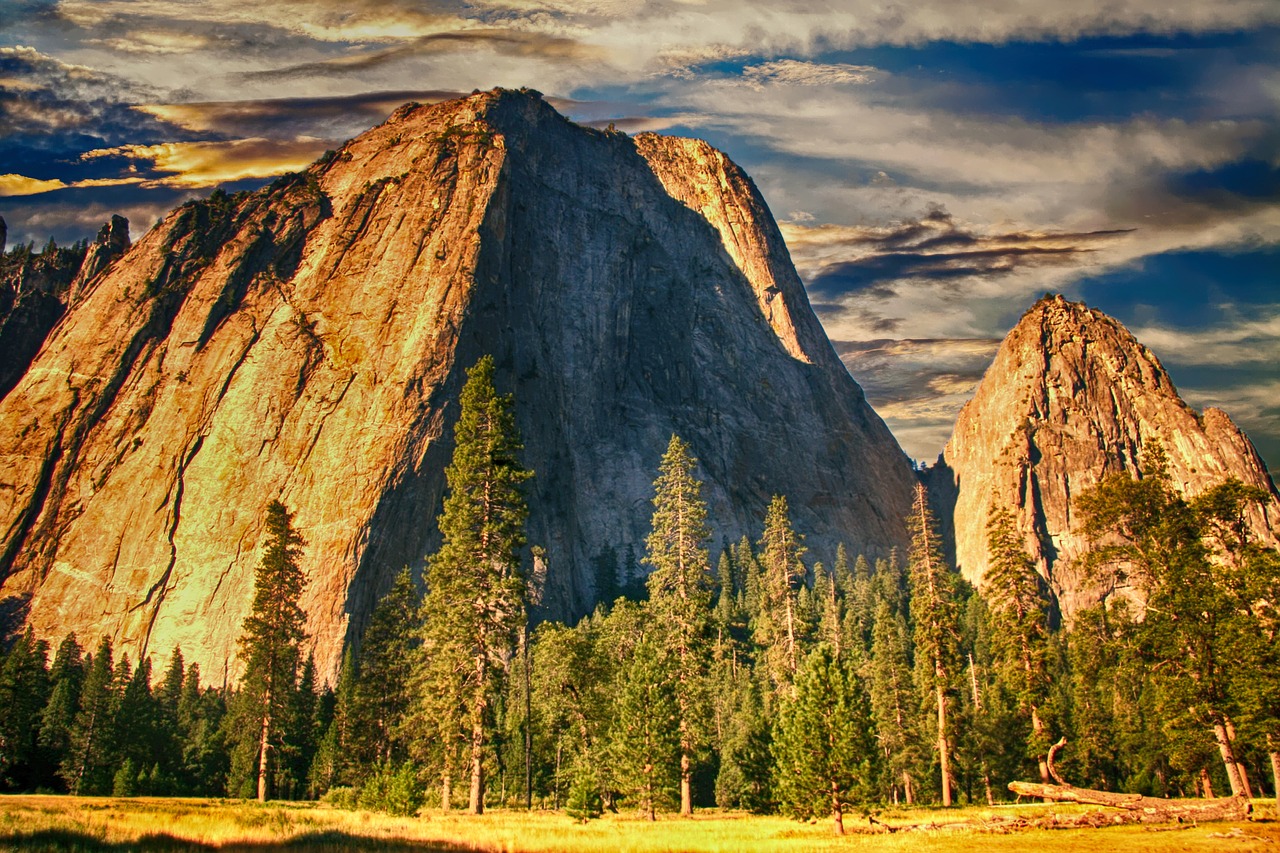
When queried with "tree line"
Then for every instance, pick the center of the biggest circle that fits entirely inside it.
(761, 680)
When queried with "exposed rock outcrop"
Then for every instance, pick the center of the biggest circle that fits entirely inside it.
(37, 288)
(1071, 397)
(307, 342)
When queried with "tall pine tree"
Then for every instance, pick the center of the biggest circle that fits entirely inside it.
(933, 610)
(778, 629)
(680, 596)
(1020, 626)
(271, 647)
(475, 601)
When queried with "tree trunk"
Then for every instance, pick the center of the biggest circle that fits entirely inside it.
(476, 800)
(1205, 784)
(1228, 758)
(528, 720)
(264, 743)
(1037, 728)
(907, 792)
(1141, 809)
(446, 791)
(837, 812)
(1244, 776)
(686, 786)
(1275, 775)
(944, 757)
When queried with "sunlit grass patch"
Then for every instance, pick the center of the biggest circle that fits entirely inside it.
(36, 823)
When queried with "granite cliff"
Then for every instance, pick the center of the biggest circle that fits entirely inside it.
(1071, 397)
(307, 342)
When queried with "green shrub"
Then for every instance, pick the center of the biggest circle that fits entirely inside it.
(342, 798)
(395, 791)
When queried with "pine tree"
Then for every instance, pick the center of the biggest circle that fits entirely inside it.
(892, 690)
(475, 600)
(271, 648)
(90, 755)
(680, 596)
(1142, 529)
(645, 737)
(824, 748)
(386, 666)
(1020, 627)
(66, 680)
(933, 610)
(778, 629)
(24, 691)
(135, 719)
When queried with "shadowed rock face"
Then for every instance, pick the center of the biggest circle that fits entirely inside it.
(1071, 397)
(307, 342)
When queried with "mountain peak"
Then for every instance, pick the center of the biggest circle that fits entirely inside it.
(307, 342)
(1070, 397)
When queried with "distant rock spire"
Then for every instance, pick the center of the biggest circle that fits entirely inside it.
(1071, 397)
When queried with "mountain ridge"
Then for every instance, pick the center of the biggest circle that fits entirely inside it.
(307, 342)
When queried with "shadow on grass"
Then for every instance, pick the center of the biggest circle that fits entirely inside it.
(329, 841)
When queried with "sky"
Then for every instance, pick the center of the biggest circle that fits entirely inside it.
(935, 166)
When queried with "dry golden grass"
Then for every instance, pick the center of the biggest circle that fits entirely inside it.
(30, 823)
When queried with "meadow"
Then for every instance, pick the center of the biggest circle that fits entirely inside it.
(91, 824)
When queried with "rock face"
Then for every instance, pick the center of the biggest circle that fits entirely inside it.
(1071, 397)
(307, 342)
(35, 290)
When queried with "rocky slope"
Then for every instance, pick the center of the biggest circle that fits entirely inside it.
(307, 343)
(35, 290)
(1071, 397)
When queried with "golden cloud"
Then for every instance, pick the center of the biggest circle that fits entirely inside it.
(204, 164)
(14, 185)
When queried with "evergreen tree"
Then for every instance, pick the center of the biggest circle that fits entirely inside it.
(1020, 626)
(475, 600)
(824, 747)
(386, 666)
(933, 610)
(892, 690)
(205, 758)
(135, 722)
(680, 596)
(745, 778)
(1142, 530)
(24, 691)
(645, 737)
(86, 767)
(271, 649)
(777, 628)
(58, 717)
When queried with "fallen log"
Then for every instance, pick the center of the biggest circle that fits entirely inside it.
(1139, 809)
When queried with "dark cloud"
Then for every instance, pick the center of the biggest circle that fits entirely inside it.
(338, 117)
(510, 42)
(936, 248)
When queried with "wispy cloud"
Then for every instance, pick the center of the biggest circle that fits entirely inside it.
(795, 72)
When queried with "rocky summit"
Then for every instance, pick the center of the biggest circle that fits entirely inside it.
(307, 343)
(1071, 397)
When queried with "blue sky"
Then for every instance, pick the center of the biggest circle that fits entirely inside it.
(935, 166)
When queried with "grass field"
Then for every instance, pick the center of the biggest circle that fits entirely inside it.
(91, 824)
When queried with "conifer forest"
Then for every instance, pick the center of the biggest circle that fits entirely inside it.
(754, 675)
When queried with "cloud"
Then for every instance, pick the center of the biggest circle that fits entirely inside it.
(15, 185)
(338, 117)
(1245, 341)
(207, 164)
(793, 72)
(512, 42)
(872, 260)
(918, 386)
